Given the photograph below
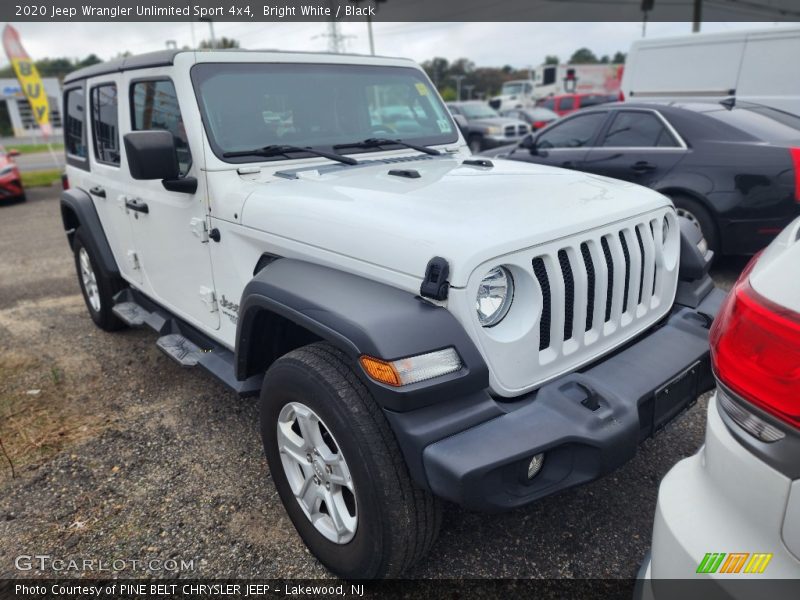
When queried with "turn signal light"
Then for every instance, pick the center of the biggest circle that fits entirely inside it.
(412, 369)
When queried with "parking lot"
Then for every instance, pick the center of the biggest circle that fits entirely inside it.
(119, 453)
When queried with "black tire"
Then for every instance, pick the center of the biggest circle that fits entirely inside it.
(475, 143)
(397, 521)
(107, 287)
(696, 212)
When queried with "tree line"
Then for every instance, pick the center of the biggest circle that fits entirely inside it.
(483, 82)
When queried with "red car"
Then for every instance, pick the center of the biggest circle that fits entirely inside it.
(569, 103)
(10, 180)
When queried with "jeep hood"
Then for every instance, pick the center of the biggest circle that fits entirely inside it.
(466, 214)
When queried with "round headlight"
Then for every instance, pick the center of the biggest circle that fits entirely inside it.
(495, 295)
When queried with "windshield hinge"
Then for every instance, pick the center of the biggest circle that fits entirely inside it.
(199, 227)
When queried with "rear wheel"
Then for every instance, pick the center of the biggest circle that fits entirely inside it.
(699, 216)
(98, 289)
(338, 469)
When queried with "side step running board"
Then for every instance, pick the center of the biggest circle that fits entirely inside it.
(181, 342)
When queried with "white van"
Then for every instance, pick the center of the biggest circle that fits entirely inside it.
(758, 66)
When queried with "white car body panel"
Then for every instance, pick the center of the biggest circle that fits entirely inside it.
(725, 498)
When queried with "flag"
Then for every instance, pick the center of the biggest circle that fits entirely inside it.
(29, 79)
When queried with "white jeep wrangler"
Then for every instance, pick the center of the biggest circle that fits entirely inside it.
(420, 324)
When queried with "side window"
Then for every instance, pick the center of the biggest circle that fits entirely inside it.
(638, 130)
(154, 105)
(105, 123)
(549, 76)
(566, 103)
(74, 123)
(572, 133)
(549, 103)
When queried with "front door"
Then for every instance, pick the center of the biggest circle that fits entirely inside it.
(169, 227)
(564, 144)
(637, 146)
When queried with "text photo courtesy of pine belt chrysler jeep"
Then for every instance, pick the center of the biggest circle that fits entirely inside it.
(419, 324)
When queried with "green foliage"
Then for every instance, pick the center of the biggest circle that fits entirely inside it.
(583, 56)
(448, 94)
(551, 59)
(40, 178)
(619, 58)
(219, 44)
(56, 67)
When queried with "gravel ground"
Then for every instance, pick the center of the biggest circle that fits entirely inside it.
(152, 461)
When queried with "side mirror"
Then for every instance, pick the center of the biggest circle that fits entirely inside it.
(152, 155)
(462, 123)
(529, 143)
(12, 152)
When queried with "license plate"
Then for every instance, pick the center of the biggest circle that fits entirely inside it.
(675, 395)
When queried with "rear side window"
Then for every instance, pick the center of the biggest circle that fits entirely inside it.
(155, 106)
(549, 103)
(638, 130)
(761, 122)
(576, 132)
(566, 103)
(105, 123)
(75, 123)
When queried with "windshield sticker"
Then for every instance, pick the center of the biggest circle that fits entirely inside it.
(444, 126)
(422, 89)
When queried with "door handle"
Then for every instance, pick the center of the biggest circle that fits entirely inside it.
(642, 166)
(136, 206)
(97, 191)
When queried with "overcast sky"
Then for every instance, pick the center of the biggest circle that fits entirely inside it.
(487, 44)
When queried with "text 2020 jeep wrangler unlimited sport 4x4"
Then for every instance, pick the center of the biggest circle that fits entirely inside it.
(420, 324)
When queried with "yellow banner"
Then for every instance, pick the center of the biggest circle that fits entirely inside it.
(29, 79)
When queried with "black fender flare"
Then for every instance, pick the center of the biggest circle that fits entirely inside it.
(77, 210)
(360, 316)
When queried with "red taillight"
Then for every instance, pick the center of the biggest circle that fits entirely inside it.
(64, 181)
(621, 97)
(795, 152)
(755, 350)
(539, 124)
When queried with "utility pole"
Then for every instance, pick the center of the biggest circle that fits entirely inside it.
(211, 27)
(468, 89)
(647, 6)
(697, 16)
(458, 79)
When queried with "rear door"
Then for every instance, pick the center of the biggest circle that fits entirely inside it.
(638, 146)
(107, 183)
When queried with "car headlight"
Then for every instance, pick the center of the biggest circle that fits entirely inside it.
(495, 294)
(6, 170)
(494, 130)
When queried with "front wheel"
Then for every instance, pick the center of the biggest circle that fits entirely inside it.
(338, 469)
(697, 214)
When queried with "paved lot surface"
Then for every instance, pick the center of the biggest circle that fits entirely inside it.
(122, 454)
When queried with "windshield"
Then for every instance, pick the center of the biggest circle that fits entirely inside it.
(512, 88)
(252, 105)
(478, 111)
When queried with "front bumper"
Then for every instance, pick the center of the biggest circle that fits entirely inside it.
(585, 423)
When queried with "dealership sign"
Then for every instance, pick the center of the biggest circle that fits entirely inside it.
(29, 80)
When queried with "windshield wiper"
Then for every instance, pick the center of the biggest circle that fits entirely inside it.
(280, 150)
(377, 142)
